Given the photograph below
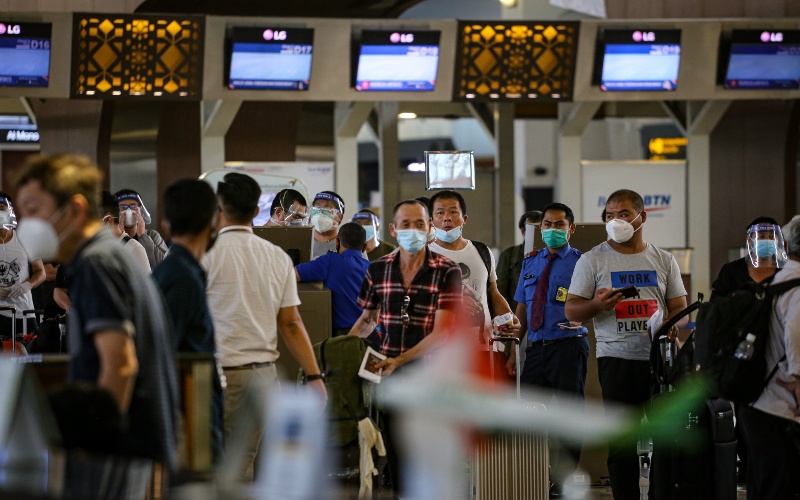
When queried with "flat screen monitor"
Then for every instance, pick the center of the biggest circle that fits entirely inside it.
(449, 170)
(24, 54)
(638, 60)
(397, 61)
(270, 58)
(295, 241)
(761, 59)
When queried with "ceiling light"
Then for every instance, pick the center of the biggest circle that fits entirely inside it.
(407, 116)
(508, 3)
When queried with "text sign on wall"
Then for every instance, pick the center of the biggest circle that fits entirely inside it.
(662, 185)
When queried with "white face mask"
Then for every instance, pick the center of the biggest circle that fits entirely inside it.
(38, 238)
(620, 230)
(5, 217)
(129, 220)
(322, 222)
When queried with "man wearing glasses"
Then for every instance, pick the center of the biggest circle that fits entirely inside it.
(414, 294)
(327, 211)
(557, 357)
(289, 208)
(133, 217)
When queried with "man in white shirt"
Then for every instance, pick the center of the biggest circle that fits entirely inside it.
(252, 295)
(448, 216)
(772, 424)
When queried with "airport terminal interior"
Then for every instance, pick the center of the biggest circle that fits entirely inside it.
(514, 104)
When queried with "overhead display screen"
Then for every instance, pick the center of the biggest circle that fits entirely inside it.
(762, 59)
(24, 54)
(638, 60)
(398, 61)
(270, 58)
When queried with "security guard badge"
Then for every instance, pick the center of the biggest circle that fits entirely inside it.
(561, 294)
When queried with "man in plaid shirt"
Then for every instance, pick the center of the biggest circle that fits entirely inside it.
(413, 293)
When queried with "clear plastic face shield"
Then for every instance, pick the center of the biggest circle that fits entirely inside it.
(765, 246)
(325, 218)
(7, 218)
(293, 216)
(126, 201)
(369, 222)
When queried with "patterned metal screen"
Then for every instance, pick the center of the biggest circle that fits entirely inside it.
(121, 56)
(520, 60)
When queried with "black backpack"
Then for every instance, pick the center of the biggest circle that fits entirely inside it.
(486, 257)
(722, 325)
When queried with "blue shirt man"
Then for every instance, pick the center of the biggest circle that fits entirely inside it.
(343, 272)
(558, 353)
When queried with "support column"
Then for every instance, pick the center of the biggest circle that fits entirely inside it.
(178, 147)
(348, 117)
(504, 177)
(573, 119)
(217, 118)
(388, 160)
(698, 183)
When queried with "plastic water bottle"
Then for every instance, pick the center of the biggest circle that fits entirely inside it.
(746, 347)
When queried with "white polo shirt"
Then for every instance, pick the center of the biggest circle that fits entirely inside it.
(249, 281)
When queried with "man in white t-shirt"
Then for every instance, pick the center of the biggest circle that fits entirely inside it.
(620, 321)
(448, 216)
(252, 295)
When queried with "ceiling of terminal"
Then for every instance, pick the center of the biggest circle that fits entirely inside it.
(293, 8)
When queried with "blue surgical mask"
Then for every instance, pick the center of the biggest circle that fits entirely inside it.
(412, 240)
(370, 232)
(554, 238)
(447, 236)
(765, 248)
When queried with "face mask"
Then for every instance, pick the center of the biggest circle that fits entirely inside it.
(38, 238)
(5, 217)
(554, 238)
(432, 234)
(129, 219)
(370, 232)
(412, 240)
(621, 231)
(447, 236)
(322, 222)
(765, 248)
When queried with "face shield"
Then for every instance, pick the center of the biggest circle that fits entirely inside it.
(124, 199)
(765, 246)
(7, 218)
(369, 222)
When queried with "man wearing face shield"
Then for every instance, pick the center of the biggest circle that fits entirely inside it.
(118, 332)
(375, 248)
(620, 323)
(133, 217)
(16, 279)
(327, 211)
(289, 208)
(133, 247)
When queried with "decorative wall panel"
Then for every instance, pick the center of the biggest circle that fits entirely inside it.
(515, 60)
(119, 56)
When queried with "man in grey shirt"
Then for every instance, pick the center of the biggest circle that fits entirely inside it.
(620, 322)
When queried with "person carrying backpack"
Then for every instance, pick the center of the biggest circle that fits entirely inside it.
(772, 423)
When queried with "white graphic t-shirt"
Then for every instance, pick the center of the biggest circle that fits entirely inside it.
(13, 270)
(623, 332)
(475, 278)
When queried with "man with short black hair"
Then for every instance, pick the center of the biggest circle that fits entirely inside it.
(190, 208)
(343, 273)
(772, 423)
(132, 246)
(133, 219)
(620, 323)
(509, 264)
(252, 294)
(375, 248)
(289, 208)
(482, 299)
(327, 212)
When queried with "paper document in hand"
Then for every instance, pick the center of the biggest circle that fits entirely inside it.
(368, 370)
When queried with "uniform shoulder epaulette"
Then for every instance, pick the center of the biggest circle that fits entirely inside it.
(532, 254)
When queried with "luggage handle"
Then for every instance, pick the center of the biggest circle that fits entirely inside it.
(13, 327)
(513, 340)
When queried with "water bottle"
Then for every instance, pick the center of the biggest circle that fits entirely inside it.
(746, 347)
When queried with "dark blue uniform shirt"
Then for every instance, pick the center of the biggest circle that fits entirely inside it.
(343, 273)
(560, 277)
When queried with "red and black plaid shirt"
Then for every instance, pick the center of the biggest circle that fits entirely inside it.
(437, 285)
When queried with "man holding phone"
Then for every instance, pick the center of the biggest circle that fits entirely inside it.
(620, 284)
(558, 353)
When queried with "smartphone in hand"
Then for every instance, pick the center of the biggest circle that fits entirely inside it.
(628, 292)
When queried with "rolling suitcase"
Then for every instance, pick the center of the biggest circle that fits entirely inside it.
(511, 465)
(12, 345)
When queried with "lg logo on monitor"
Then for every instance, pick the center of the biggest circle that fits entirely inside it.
(401, 37)
(771, 37)
(274, 35)
(644, 36)
(11, 29)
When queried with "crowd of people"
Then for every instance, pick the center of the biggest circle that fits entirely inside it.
(133, 301)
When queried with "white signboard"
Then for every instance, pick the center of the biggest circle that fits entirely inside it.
(662, 185)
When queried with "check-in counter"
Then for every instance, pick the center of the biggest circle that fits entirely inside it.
(315, 309)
